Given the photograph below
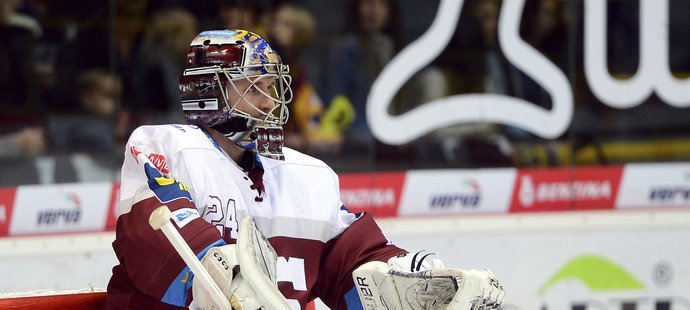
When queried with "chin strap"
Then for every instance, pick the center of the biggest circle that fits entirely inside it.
(232, 126)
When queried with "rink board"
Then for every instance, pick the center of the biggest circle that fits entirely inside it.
(558, 260)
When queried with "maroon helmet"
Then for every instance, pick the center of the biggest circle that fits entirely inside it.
(225, 68)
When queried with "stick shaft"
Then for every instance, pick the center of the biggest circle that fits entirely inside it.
(200, 273)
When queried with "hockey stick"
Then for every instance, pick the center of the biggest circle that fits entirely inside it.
(160, 220)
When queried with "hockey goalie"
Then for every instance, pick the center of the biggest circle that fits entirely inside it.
(265, 221)
(247, 272)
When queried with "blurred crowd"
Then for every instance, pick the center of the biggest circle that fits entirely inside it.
(76, 77)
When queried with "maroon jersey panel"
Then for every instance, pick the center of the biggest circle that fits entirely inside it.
(360, 243)
(303, 258)
(148, 262)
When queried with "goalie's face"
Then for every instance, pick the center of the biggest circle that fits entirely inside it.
(256, 98)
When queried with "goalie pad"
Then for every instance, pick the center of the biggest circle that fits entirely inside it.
(389, 286)
(245, 272)
(223, 266)
(258, 269)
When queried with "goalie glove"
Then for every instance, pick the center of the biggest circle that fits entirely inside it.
(408, 283)
(223, 266)
(245, 272)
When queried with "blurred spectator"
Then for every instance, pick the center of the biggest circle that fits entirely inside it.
(21, 138)
(87, 141)
(293, 30)
(10, 16)
(499, 77)
(54, 62)
(97, 125)
(27, 142)
(370, 39)
(47, 43)
(679, 24)
(160, 58)
(473, 63)
(623, 27)
(251, 15)
(104, 40)
(18, 152)
(18, 34)
(545, 29)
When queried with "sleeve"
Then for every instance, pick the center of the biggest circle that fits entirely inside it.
(359, 243)
(150, 262)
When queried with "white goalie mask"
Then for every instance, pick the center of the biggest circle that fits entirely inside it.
(235, 83)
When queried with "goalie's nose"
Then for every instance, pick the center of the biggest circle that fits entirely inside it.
(266, 104)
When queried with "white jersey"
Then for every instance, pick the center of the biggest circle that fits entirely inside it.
(317, 240)
(302, 193)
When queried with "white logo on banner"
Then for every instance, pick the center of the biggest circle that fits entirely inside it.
(526, 193)
(470, 108)
(3, 213)
(653, 71)
(373, 197)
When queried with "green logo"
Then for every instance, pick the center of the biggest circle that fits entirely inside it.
(597, 273)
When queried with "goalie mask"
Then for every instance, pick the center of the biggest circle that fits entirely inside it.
(235, 83)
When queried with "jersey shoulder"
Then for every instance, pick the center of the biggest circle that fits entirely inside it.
(300, 166)
(307, 175)
(295, 158)
(169, 139)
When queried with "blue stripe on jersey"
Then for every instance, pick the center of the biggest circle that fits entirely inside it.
(352, 300)
(215, 144)
(177, 291)
(357, 215)
(165, 189)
